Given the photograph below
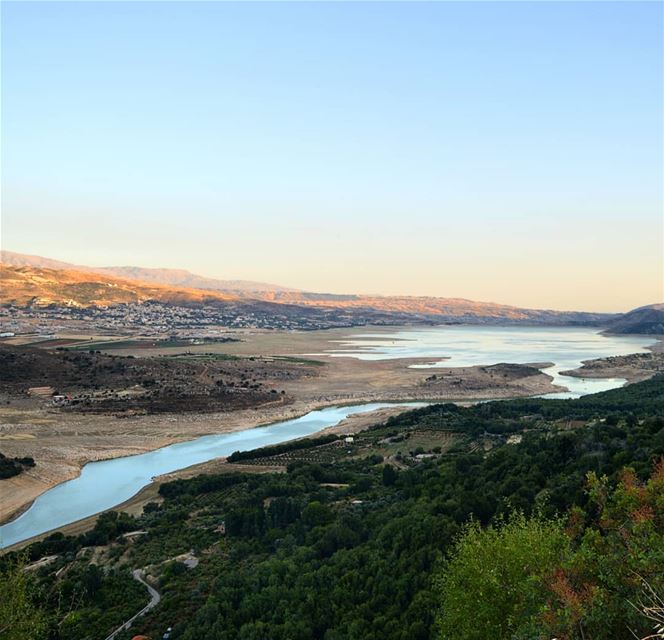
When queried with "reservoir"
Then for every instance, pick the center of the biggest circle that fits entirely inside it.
(468, 346)
(103, 485)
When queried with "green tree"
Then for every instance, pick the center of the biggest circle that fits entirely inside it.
(493, 584)
(316, 514)
(389, 475)
(20, 617)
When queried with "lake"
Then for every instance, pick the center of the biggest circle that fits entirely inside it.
(103, 485)
(467, 346)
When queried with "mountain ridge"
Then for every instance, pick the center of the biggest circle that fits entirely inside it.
(417, 305)
(40, 287)
(645, 320)
(165, 276)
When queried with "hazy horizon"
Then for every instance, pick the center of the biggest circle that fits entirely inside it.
(502, 152)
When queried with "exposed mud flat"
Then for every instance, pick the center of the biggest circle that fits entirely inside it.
(634, 367)
(62, 442)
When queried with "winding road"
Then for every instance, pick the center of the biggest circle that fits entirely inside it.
(155, 598)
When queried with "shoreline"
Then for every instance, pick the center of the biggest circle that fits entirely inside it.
(352, 424)
(190, 427)
(634, 367)
(62, 446)
(279, 417)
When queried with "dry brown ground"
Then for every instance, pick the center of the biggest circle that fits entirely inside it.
(150, 493)
(62, 442)
(634, 367)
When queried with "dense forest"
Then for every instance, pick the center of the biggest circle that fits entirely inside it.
(521, 519)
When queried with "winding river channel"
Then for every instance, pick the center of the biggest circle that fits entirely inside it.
(103, 485)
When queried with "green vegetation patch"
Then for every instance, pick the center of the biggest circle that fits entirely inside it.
(286, 447)
(566, 529)
(297, 360)
(204, 357)
(10, 467)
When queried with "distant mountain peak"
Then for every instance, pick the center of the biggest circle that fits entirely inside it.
(164, 276)
(26, 285)
(184, 278)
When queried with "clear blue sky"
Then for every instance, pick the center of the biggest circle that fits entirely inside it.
(497, 151)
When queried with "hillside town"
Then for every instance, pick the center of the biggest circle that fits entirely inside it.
(156, 318)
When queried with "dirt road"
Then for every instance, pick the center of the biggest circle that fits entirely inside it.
(155, 599)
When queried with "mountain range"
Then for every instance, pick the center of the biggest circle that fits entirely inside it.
(41, 286)
(37, 281)
(170, 277)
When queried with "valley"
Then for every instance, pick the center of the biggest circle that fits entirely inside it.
(131, 394)
(332, 321)
(305, 519)
(114, 391)
(122, 415)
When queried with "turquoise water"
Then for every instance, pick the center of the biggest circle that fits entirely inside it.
(465, 346)
(103, 485)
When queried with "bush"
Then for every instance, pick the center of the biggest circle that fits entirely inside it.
(493, 585)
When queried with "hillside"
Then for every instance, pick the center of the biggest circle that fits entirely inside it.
(13, 259)
(644, 320)
(319, 538)
(36, 280)
(23, 286)
(114, 385)
(168, 277)
(459, 309)
(184, 278)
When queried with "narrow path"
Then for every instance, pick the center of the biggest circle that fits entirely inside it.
(155, 598)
